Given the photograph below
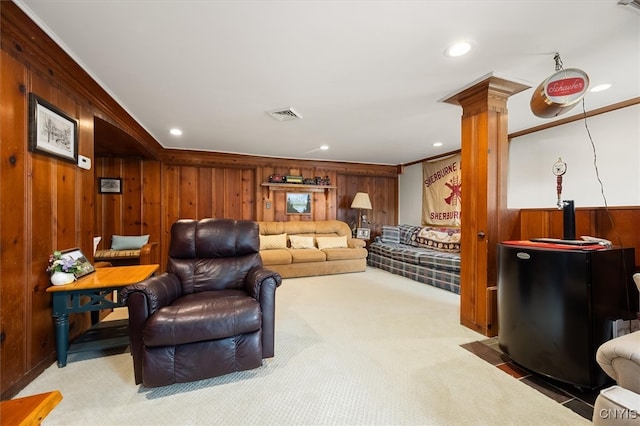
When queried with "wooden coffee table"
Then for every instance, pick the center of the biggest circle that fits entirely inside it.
(90, 293)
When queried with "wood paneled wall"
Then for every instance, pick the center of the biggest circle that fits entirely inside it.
(620, 225)
(156, 194)
(46, 204)
(383, 192)
(137, 211)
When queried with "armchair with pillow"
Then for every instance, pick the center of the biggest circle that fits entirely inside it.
(129, 250)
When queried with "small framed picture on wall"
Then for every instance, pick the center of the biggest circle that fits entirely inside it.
(110, 185)
(299, 203)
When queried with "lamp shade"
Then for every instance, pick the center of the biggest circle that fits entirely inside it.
(361, 201)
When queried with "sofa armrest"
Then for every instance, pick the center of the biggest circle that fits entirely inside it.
(620, 359)
(150, 254)
(356, 243)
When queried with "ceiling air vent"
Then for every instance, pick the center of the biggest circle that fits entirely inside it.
(285, 114)
(632, 5)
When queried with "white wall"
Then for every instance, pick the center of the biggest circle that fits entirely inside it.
(410, 195)
(531, 184)
(616, 137)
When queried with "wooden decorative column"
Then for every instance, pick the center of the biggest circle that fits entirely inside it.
(485, 220)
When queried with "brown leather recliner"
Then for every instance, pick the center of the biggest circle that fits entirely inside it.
(211, 313)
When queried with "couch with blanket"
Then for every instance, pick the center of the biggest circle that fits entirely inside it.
(307, 248)
(427, 254)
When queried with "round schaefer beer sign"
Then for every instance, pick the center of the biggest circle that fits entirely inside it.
(559, 93)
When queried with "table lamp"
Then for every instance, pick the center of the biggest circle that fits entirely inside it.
(361, 201)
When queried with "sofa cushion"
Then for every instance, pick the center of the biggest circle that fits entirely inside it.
(332, 227)
(300, 242)
(271, 228)
(332, 242)
(207, 315)
(128, 242)
(390, 234)
(116, 254)
(430, 258)
(271, 242)
(300, 227)
(276, 257)
(440, 239)
(345, 253)
(307, 255)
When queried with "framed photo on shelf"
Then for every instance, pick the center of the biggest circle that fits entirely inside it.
(109, 185)
(51, 131)
(75, 254)
(363, 233)
(298, 203)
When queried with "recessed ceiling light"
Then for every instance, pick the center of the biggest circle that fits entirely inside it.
(438, 144)
(176, 132)
(458, 49)
(600, 87)
(324, 147)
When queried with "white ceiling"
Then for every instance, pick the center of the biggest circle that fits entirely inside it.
(368, 77)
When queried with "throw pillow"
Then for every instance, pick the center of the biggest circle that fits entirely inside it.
(298, 242)
(271, 242)
(128, 242)
(390, 234)
(332, 242)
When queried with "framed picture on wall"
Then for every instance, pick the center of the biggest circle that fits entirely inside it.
(108, 185)
(298, 203)
(51, 131)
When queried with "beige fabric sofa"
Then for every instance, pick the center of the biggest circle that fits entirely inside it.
(329, 248)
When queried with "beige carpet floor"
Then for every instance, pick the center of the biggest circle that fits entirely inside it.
(367, 348)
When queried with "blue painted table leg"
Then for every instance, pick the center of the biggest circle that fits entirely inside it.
(62, 338)
(61, 320)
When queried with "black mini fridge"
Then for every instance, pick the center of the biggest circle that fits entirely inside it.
(555, 307)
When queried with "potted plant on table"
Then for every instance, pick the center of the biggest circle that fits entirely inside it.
(62, 268)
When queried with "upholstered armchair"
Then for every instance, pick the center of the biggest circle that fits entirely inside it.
(620, 358)
(211, 313)
(619, 404)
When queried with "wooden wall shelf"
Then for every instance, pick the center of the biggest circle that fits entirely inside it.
(299, 186)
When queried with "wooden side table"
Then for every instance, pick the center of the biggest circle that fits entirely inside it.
(90, 293)
(29, 410)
